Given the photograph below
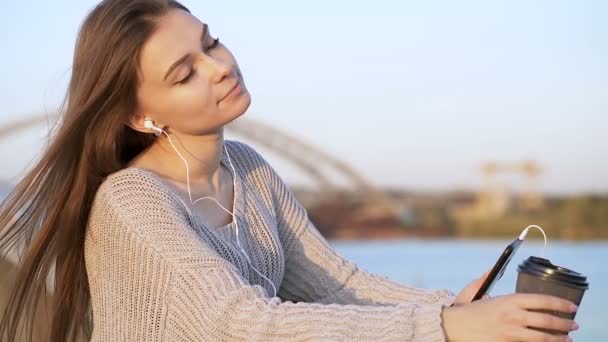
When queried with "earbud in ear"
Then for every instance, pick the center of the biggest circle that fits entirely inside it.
(149, 124)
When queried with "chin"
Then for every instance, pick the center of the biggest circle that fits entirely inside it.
(241, 105)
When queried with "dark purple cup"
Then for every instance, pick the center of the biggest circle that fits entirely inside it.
(538, 275)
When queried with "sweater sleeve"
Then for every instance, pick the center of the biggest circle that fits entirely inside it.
(316, 272)
(160, 281)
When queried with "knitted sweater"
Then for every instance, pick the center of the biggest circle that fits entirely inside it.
(157, 272)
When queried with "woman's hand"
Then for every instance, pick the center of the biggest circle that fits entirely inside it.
(505, 318)
(466, 295)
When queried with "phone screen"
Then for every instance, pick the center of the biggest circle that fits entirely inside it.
(498, 270)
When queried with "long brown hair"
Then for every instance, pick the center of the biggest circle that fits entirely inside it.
(47, 211)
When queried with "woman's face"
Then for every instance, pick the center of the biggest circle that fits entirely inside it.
(187, 83)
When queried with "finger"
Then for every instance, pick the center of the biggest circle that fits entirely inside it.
(548, 321)
(535, 335)
(544, 302)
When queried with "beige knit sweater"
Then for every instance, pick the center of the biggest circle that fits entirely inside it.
(157, 272)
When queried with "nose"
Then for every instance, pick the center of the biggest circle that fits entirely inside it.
(218, 67)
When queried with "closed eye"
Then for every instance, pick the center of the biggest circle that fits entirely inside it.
(192, 71)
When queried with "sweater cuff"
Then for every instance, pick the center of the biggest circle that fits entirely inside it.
(428, 326)
(447, 297)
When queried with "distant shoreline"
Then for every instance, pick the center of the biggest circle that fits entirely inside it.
(466, 239)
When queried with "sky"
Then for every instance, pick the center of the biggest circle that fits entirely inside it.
(411, 94)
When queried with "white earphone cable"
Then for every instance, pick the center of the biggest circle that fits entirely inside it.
(160, 130)
(523, 234)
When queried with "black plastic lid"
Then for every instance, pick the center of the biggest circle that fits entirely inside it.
(545, 269)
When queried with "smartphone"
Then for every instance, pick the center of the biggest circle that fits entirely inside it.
(499, 269)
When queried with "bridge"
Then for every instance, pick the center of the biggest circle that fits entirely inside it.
(310, 159)
(306, 157)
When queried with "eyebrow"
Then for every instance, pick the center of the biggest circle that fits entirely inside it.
(186, 56)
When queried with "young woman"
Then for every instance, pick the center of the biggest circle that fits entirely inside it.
(155, 228)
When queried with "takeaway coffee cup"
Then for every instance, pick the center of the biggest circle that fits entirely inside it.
(538, 275)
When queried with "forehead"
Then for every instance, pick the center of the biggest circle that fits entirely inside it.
(176, 34)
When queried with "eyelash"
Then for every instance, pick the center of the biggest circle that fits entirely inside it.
(212, 46)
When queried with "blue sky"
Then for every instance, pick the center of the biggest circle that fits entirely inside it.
(413, 94)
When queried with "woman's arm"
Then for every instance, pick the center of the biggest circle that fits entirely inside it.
(153, 278)
(315, 271)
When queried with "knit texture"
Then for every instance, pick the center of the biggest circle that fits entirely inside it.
(158, 272)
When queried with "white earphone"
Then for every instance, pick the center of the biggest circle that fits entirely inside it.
(149, 124)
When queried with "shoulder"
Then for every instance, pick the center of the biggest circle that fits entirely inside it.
(134, 193)
(132, 207)
(133, 182)
(250, 162)
(245, 153)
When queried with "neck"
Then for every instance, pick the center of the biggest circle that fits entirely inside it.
(203, 154)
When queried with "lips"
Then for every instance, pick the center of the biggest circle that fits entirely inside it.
(229, 91)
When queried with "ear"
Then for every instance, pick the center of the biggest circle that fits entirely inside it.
(136, 122)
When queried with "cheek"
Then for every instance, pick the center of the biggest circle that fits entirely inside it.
(195, 98)
(196, 104)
